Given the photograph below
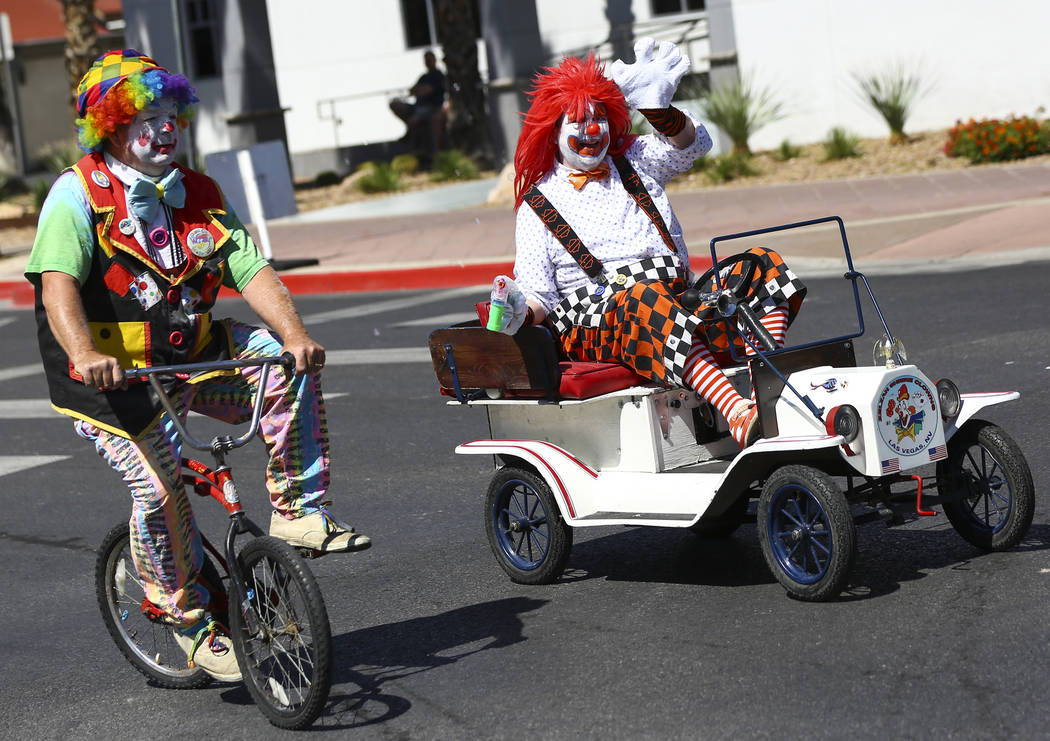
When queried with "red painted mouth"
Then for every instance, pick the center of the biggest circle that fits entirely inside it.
(163, 148)
(589, 146)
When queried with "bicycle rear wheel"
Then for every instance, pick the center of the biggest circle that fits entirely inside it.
(146, 642)
(281, 634)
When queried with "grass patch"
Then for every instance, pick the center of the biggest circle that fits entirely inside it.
(728, 167)
(841, 144)
(453, 165)
(786, 151)
(380, 178)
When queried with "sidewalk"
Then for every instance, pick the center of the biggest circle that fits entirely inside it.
(446, 237)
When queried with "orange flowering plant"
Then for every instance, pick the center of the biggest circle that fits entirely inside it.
(995, 140)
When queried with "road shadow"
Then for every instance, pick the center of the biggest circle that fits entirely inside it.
(371, 658)
(886, 557)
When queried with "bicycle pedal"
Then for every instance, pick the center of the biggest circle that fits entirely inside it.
(310, 552)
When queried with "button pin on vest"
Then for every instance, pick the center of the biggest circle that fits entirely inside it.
(173, 296)
(175, 338)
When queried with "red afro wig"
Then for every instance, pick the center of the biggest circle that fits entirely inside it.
(571, 87)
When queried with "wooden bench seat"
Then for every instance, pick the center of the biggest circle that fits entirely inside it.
(470, 360)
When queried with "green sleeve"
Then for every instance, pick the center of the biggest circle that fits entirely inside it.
(64, 237)
(242, 256)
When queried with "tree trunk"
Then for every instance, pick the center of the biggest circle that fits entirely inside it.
(468, 123)
(81, 41)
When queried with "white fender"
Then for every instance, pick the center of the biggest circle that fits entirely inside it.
(975, 402)
(559, 468)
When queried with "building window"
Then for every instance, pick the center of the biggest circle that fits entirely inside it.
(420, 22)
(667, 7)
(202, 37)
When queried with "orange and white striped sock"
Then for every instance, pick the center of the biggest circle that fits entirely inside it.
(776, 323)
(704, 376)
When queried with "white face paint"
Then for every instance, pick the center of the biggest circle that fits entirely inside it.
(151, 138)
(583, 144)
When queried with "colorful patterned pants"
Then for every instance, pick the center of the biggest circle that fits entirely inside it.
(165, 542)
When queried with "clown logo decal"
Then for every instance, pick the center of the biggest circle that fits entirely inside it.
(907, 415)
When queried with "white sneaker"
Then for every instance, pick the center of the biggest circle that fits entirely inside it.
(319, 531)
(208, 647)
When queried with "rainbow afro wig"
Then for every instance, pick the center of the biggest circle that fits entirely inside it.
(570, 87)
(118, 85)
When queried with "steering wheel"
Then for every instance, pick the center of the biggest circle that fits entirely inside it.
(738, 285)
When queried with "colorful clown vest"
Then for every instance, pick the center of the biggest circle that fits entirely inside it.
(137, 311)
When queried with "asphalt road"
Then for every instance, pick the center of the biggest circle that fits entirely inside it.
(652, 633)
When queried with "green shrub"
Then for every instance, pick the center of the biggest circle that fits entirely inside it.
(327, 178)
(992, 140)
(841, 144)
(701, 164)
(786, 151)
(892, 94)
(405, 164)
(381, 178)
(40, 190)
(453, 165)
(740, 109)
(10, 185)
(729, 167)
(57, 157)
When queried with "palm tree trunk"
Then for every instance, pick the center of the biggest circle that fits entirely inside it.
(468, 115)
(81, 41)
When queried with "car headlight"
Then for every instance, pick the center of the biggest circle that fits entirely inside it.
(889, 352)
(950, 398)
(845, 421)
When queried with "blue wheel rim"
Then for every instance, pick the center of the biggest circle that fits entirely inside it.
(521, 525)
(989, 496)
(799, 533)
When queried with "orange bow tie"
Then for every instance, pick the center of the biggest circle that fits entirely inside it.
(579, 179)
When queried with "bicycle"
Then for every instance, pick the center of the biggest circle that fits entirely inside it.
(278, 622)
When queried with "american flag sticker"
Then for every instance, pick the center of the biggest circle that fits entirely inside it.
(893, 465)
(937, 452)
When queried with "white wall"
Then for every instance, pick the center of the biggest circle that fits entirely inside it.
(983, 58)
(342, 48)
(355, 49)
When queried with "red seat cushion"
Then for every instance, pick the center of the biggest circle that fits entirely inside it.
(582, 380)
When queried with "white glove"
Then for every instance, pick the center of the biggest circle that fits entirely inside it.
(653, 78)
(515, 310)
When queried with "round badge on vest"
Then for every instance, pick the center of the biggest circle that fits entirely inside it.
(200, 242)
(126, 226)
(100, 178)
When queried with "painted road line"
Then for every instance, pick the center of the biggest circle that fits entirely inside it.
(21, 371)
(16, 463)
(378, 307)
(438, 322)
(378, 355)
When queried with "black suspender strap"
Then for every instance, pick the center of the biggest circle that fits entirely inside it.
(561, 230)
(633, 185)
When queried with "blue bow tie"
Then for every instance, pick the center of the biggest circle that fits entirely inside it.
(145, 195)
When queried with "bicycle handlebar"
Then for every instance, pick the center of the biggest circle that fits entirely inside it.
(287, 360)
(223, 443)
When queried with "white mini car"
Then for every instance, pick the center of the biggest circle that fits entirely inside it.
(586, 444)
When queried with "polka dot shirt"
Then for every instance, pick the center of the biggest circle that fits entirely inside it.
(604, 216)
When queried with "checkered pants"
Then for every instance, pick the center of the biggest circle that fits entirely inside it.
(165, 543)
(643, 327)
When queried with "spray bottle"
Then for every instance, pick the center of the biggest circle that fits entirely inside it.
(498, 303)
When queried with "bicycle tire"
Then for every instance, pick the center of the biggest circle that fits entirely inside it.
(283, 642)
(147, 644)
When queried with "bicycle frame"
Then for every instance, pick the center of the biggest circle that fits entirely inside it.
(216, 482)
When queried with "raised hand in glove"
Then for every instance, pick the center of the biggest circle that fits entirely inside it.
(514, 306)
(653, 78)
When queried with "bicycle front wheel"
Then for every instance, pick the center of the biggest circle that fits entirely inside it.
(281, 633)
